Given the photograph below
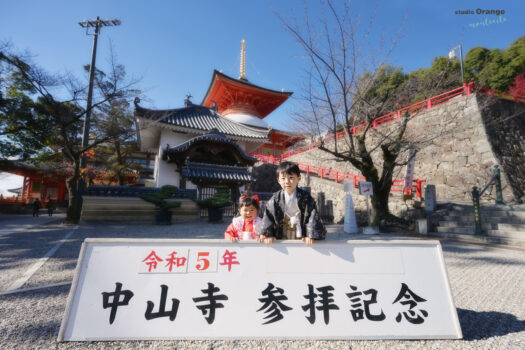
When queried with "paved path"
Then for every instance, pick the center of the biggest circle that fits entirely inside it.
(21, 223)
(488, 285)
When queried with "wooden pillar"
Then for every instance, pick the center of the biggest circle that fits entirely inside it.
(29, 188)
(43, 190)
(23, 189)
(61, 190)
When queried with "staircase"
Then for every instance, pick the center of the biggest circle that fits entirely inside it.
(131, 209)
(501, 224)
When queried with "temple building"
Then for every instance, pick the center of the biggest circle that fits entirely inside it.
(43, 181)
(210, 144)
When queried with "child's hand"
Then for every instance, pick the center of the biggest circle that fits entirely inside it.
(232, 239)
(308, 240)
(265, 240)
(269, 240)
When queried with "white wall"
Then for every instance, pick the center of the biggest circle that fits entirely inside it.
(165, 173)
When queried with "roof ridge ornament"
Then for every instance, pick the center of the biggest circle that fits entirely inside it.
(187, 101)
(243, 65)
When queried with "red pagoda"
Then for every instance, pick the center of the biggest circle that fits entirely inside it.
(248, 104)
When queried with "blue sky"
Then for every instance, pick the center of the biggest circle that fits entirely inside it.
(174, 46)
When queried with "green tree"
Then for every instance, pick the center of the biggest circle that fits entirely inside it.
(23, 132)
(443, 75)
(115, 120)
(62, 118)
(495, 69)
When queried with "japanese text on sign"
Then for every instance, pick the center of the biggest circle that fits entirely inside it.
(179, 290)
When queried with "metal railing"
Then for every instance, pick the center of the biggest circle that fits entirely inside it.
(132, 191)
(466, 89)
(476, 195)
(342, 176)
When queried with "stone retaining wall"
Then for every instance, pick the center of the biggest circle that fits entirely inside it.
(457, 149)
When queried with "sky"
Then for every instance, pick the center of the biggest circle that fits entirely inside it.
(173, 46)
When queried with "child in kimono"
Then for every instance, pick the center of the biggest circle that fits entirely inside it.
(244, 227)
(291, 213)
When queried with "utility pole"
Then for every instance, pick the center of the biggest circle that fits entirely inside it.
(97, 24)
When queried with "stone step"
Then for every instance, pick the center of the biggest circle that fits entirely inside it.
(458, 229)
(124, 209)
(511, 227)
(136, 218)
(466, 206)
(505, 240)
(118, 212)
(177, 211)
(126, 200)
(486, 225)
(505, 233)
(491, 220)
(469, 230)
(453, 224)
(492, 214)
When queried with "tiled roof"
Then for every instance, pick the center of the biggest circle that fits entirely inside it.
(199, 119)
(213, 137)
(203, 172)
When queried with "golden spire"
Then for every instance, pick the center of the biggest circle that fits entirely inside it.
(243, 75)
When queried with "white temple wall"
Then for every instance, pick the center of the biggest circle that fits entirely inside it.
(165, 173)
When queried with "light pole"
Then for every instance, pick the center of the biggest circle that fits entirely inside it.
(452, 55)
(97, 24)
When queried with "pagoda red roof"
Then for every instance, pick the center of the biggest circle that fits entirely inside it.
(240, 96)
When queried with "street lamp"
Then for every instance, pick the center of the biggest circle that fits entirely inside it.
(97, 24)
(452, 55)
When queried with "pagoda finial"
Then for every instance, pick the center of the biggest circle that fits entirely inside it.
(243, 53)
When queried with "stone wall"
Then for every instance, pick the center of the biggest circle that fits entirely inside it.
(457, 149)
(505, 126)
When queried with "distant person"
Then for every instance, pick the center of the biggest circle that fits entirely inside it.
(291, 213)
(36, 206)
(50, 207)
(244, 227)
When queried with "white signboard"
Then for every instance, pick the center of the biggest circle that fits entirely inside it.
(214, 289)
(365, 188)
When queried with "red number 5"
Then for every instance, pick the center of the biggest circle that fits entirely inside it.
(202, 260)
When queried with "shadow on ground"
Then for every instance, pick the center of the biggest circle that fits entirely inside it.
(478, 325)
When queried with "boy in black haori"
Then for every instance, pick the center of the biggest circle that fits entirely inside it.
(291, 213)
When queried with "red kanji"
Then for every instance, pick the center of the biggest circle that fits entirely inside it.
(177, 261)
(229, 258)
(151, 260)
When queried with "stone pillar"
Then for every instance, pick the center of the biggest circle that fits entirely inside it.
(430, 198)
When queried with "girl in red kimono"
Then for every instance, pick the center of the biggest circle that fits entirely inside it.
(244, 227)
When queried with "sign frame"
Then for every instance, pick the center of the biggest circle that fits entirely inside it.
(390, 242)
(366, 188)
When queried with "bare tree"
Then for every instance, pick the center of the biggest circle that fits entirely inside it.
(348, 86)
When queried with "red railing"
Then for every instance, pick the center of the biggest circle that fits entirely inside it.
(434, 101)
(341, 176)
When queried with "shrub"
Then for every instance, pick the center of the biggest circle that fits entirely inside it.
(159, 198)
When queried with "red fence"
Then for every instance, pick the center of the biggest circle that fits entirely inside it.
(342, 176)
(339, 176)
(434, 101)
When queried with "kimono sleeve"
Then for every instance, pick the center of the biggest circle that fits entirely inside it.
(231, 231)
(314, 225)
(268, 225)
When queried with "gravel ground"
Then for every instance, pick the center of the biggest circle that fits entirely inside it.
(487, 283)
